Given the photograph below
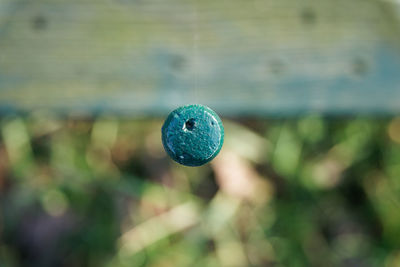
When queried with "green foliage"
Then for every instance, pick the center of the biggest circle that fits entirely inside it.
(102, 192)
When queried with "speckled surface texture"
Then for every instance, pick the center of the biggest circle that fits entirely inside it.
(193, 135)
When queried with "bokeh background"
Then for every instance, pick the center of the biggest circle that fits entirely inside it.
(285, 192)
(309, 94)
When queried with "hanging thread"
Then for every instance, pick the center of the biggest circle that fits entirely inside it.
(195, 40)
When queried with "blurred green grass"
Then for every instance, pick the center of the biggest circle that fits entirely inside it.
(293, 192)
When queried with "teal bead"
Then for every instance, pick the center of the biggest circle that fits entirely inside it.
(192, 135)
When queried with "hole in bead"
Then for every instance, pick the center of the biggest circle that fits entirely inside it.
(190, 124)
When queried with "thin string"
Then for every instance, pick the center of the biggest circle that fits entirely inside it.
(195, 54)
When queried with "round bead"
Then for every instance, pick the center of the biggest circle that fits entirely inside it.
(193, 135)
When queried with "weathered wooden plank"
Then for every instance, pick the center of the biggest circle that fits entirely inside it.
(237, 56)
